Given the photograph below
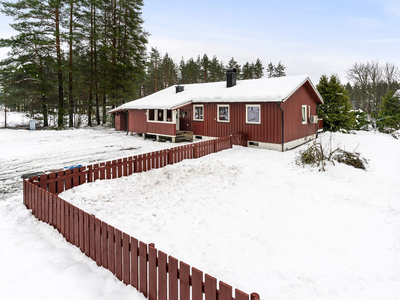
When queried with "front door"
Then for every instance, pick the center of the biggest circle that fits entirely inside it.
(185, 120)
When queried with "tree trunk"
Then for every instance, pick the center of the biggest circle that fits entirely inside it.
(70, 84)
(60, 121)
(96, 86)
(43, 99)
(114, 54)
(91, 67)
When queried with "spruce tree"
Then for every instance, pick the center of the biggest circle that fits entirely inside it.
(335, 111)
(389, 116)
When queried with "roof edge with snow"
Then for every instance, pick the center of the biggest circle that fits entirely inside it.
(245, 91)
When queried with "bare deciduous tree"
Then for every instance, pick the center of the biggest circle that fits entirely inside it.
(373, 81)
(391, 74)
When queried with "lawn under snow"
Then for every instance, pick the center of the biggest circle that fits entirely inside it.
(254, 219)
(249, 217)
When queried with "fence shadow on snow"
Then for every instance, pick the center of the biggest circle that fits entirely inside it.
(152, 272)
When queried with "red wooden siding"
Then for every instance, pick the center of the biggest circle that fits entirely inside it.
(269, 131)
(294, 129)
(137, 121)
(120, 121)
(161, 128)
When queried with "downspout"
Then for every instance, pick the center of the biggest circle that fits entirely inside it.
(127, 122)
(283, 128)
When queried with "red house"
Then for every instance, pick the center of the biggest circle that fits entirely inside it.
(274, 113)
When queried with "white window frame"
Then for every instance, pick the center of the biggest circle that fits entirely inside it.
(164, 120)
(304, 113)
(194, 112)
(229, 112)
(259, 113)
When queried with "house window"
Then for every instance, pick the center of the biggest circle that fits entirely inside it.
(304, 114)
(198, 113)
(169, 115)
(150, 114)
(160, 115)
(253, 114)
(223, 113)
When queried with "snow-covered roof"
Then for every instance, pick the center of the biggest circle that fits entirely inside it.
(397, 93)
(252, 90)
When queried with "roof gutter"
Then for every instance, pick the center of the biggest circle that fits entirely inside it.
(282, 128)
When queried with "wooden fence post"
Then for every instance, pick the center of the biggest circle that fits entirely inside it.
(170, 156)
(90, 175)
(195, 147)
(254, 296)
(152, 258)
(215, 146)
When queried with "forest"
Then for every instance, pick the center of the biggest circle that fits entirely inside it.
(87, 56)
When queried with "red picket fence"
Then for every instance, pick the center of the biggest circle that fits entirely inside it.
(152, 272)
(60, 181)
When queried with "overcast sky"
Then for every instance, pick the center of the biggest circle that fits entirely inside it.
(311, 37)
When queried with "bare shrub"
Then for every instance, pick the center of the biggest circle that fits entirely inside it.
(393, 132)
(318, 155)
(353, 159)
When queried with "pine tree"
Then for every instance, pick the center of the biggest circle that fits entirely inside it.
(169, 71)
(192, 71)
(336, 108)
(32, 48)
(73, 11)
(217, 70)
(233, 64)
(271, 70)
(205, 67)
(280, 70)
(247, 71)
(258, 69)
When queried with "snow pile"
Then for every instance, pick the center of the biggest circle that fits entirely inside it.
(249, 217)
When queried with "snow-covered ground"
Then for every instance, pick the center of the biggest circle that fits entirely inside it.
(249, 217)
(13, 118)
